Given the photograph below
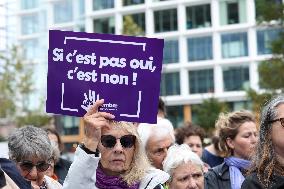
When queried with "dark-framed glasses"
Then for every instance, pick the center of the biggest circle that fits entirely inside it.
(28, 166)
(280, 119)
(126, 141)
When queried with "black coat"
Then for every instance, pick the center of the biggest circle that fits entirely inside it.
(61, 169)
(11, 170)
(218, 177)
(252, 182)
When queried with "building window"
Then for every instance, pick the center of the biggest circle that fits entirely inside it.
(264, 39)
(201, 81)
(103, 4)
(232, 11)
(104, 25)
(132, 2)
(198, 16)
(134, 24)
(70, 125)
(62, 11)
(165, 20)
(29, 4)
(170, 84)
(236, 78)
(175, 115)
(234, 45)
(171, 52)
(199, 48)
(30, 24)
(30, 48)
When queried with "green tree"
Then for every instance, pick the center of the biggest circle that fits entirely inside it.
(208, 112)
(16, 86)
(271, 78)
(15, 82)
(130, 27)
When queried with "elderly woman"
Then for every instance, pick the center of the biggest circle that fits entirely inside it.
(122, 164)
(30, 149)
(238, 137)
(267, 170)
(185, 168)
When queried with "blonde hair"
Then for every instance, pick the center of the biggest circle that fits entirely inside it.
(140, 163)
(227, 126)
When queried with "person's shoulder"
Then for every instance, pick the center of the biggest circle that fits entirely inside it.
(251, 181)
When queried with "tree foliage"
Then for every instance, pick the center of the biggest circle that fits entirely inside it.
(271, 78)
(130, 27)
(208, 112)
(15, 82)
(16, 86)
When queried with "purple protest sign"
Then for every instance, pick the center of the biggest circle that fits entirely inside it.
(123, 70)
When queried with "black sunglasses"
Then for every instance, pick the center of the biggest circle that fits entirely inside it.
(280, 119)
(126, 141)
(28, 166)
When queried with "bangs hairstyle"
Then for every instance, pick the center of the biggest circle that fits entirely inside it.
(140, 163)
(29, 142)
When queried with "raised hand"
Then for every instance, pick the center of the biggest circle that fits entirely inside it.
(94, 121)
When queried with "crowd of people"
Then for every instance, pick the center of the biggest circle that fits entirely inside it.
(124, 155)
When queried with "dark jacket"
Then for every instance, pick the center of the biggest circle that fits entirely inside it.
(11, 170)
(218, 177)
(61, 169)
(252, 182)
(2, 178)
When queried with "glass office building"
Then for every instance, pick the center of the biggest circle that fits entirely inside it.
(212, 47)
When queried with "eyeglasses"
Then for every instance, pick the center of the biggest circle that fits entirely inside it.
(126, 141)
(28, 166)
(280, 119)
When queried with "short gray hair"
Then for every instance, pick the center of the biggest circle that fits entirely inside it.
(29, 142)
(163, 128)
(179, 154)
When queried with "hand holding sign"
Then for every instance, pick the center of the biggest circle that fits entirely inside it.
(94, 122)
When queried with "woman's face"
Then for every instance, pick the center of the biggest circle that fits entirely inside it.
(33, 170)
(244, 142)
(195, 143)
(116, 160)
(277, 132)
(187, 176)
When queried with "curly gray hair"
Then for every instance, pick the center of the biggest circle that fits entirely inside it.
(29, 142)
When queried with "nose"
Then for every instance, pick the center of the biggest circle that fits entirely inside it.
(254, 139)
(33, 173)
(118, 147)
(192, 184)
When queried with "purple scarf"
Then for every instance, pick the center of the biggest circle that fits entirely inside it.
(115, 182)
(236, 177)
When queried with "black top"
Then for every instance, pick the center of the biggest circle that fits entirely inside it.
(211, 159)
(252, 182)
(61, 169)
(2, 178)
(11, 170)
(218, 177)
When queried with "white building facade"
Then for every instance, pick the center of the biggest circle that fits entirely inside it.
(212, 47)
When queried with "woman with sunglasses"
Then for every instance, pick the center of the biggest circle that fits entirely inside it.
(238, 137)
(122, 163)
(267, 170)
(30, 149)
